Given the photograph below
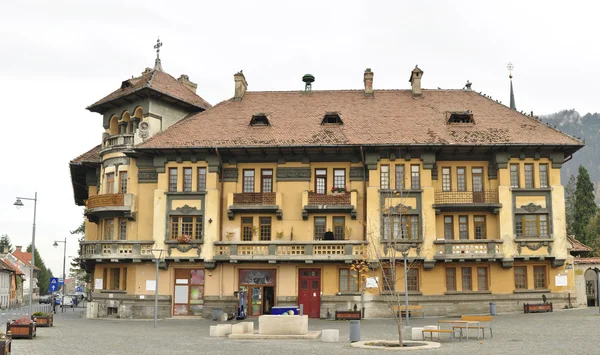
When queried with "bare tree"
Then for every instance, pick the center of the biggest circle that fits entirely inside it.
(388, 246)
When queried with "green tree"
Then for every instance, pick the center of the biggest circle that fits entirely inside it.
(570, 202)
(78, 268)
(43, 274)
(594, 232)
(585, 207)
(5, 242)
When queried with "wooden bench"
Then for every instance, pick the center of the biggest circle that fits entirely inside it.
(414, 309)
(431, 331)
(484, 322)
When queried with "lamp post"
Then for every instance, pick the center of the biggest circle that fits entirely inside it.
(156, 260)
(62, 301)
(405, 255)
(19, 204)
(598, 286)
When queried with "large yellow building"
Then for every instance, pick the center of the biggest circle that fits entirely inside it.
(278, 193)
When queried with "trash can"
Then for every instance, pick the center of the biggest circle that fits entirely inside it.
(216, 313)
(493, 308)
(354, 331)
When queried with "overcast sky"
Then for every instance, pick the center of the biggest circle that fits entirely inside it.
(57, 57)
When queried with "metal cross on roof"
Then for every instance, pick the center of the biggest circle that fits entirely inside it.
(157, 47)
(510, 67)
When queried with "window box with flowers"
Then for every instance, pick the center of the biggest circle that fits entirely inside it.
(22, 328)
(339, 190)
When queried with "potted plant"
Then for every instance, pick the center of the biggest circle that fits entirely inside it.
(254, 230)
(22, 328)
(5, 344)
(184, 238)
(43, 319)
(339, 190)
(279, 235)
(230, 236)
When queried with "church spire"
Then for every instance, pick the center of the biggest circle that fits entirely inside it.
(157, 65)
(510, 67)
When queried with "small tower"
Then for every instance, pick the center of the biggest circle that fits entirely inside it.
(308, 79)
(510, 67)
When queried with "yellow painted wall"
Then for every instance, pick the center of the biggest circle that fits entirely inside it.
(491, 224)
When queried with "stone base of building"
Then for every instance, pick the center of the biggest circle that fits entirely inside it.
(226, 304)
(452, 305)
(119, 305)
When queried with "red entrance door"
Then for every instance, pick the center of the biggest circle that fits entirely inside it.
(309, 291)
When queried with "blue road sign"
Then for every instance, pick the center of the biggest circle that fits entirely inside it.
(53, 284)
(78, 289)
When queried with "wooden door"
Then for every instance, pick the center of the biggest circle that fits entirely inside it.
(478, 191)
(309, 291)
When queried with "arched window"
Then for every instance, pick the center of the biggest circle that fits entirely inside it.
(125, 121)
(113, 127)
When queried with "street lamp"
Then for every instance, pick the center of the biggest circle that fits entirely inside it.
(156, 260)
(20, 204)
(62, 301)
(598, 286)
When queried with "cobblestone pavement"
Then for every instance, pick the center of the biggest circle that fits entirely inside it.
(565, 331)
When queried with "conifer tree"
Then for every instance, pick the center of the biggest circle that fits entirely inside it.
(5, 242)
(570, 203)
(585, 207)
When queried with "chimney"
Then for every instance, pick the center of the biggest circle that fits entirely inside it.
(5, 250)
(415, 80)
(185, 80)
(368, 80)
(240, 85)
(18, 247)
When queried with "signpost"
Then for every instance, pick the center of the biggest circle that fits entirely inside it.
(78, 289)
(53, 284)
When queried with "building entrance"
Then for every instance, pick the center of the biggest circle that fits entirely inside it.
(309, 291)
(260, 288)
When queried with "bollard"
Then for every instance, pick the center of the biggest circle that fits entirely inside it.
(301, 309)
(354, 331)
(493, 308)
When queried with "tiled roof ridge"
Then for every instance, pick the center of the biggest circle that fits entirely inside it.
(529, 117)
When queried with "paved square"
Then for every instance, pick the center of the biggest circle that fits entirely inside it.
(560, 332)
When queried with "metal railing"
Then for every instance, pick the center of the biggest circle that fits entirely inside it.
(254, 198)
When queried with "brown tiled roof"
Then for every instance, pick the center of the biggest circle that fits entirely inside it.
(5, 266)
(388, 117)
(577, 246)
(91, 156)
(13, 267)
(24, 257)
(587, 260)
(159, 81)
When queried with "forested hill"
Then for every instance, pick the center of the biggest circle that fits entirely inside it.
(585, 127)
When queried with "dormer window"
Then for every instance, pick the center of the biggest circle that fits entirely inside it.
(260, 120)
(460, 118)
(126, 84)
(332, 118)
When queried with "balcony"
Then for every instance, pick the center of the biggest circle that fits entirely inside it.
(254, 202)
(116, 250)
(307, 251)
(109, 205)
(116, 142)
(468, 249)
(344, 202)
(458, 201)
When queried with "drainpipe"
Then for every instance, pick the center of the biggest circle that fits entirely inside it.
(220, 196)
(366, 171)
(568, 158)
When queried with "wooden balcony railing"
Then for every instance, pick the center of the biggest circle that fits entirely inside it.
(301, 250)
(117, 249)
(107, 200)
(254, 198)
(339, 199)
(466, 197)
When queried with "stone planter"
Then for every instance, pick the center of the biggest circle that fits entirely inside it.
(347, 315)
(44, 321)
(537, 307)
(21, 331)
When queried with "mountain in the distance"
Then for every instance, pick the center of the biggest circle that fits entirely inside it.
(585, 127)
